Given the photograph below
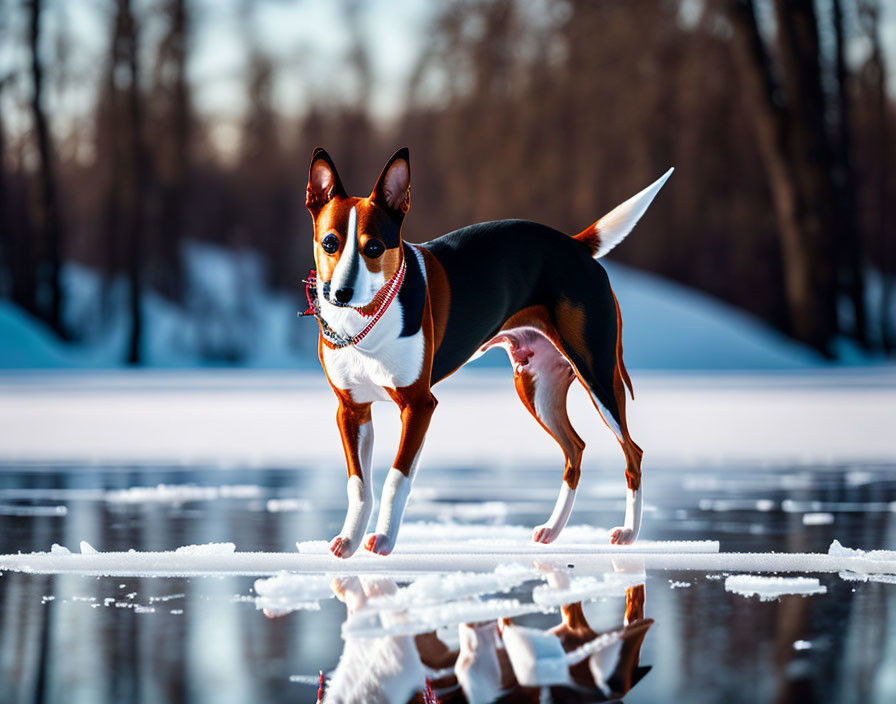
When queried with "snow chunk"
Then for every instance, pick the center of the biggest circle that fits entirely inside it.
(88, 549)
(802, 645)
(438, 588)
(284, 505)
(32, 511)
(207, 549)
(884, 557)
(286, 592)
(587, 589)
(770, 588)
(58, 549)
(181, 493)
(818, 519)
(366, 623)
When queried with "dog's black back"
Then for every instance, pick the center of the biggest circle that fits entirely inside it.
(497, 269)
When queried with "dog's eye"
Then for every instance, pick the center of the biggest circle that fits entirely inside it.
(330, 243)
(373, 249)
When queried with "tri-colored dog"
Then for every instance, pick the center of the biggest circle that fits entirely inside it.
(397, 318)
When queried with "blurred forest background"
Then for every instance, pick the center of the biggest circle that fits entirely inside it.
(136, 132)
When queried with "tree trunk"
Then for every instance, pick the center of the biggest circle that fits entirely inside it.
(50, 225)
(869, 13)
(811, 157)
(770, 122)
(794, 147)
(136, 179)
(850, 260)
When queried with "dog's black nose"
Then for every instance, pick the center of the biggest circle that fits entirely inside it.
(344, 295)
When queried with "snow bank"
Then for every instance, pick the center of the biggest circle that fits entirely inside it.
(230, 316)
(770, 588)
(669, 326)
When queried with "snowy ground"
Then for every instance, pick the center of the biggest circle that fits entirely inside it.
(275, 418)
(760, 488)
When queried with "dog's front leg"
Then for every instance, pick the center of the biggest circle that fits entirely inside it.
(356, 428)
(416, 413)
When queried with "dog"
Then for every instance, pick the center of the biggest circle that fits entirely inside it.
(397, 318)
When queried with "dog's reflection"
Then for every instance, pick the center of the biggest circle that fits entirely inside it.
(494, 661)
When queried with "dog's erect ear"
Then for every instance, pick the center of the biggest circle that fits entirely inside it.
(323, 182)
(392, 191)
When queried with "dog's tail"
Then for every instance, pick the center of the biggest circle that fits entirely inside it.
(612, 228)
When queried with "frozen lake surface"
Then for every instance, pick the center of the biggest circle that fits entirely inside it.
(706, 609)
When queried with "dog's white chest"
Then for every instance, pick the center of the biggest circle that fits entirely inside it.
(382, 360)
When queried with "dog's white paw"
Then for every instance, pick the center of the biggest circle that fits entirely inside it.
(544, 534)
(622, 536)
(378, 543)
(343, 546)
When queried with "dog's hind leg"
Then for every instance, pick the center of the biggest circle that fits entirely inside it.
(594, 345)
(542, 376)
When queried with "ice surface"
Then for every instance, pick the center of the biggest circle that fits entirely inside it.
(770, 588)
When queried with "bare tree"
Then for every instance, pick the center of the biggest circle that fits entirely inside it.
(875, 74)
(49, 218)
(122, 121)
(811, 188)
(852, 275)
(171, 132)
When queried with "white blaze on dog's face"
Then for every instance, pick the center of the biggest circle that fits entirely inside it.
(357, 241)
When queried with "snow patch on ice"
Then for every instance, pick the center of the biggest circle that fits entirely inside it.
(181, 493)
(496, 511)
(884, 557)
(32, 511)
(287, 505)
(587, 589)
(438, 588)
(207, 549)
(770, 588)
(285, 593)
(366, 624)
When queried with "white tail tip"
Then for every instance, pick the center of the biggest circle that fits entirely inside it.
(613, 227)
